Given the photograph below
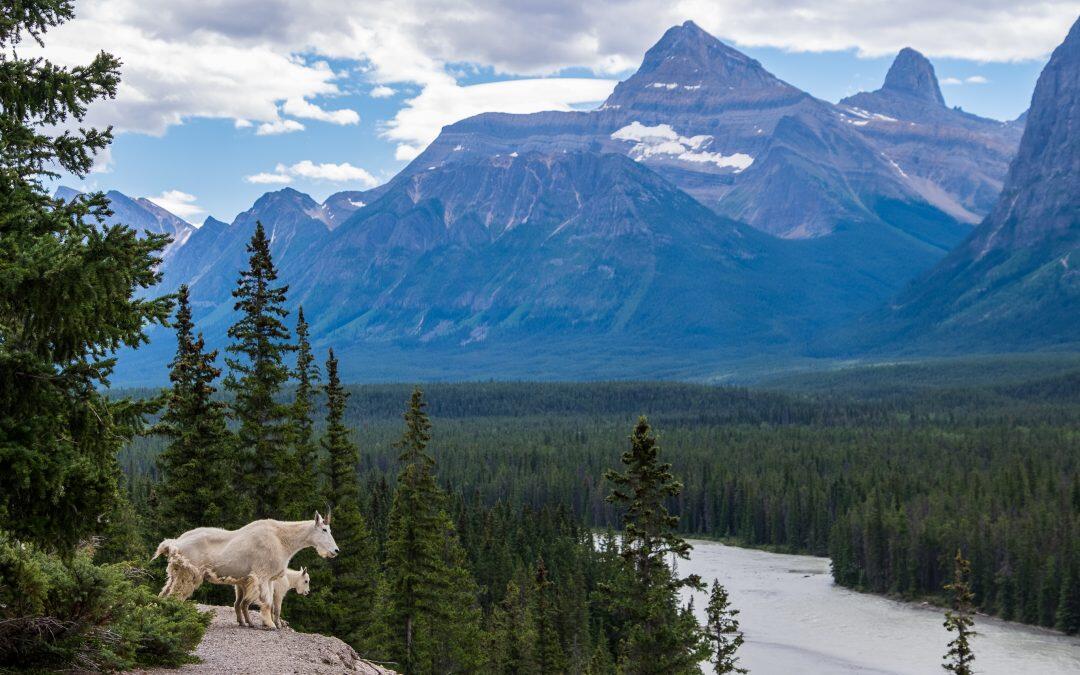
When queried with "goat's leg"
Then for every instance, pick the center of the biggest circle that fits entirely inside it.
(239, 602)
(266, 604)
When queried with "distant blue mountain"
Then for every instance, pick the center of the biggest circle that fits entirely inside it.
(141, 214)
(1014, 284)
(707, 215)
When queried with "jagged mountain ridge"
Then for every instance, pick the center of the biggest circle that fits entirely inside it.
(955, 160)
(141, 214)
(1014, 283)
(705, 116)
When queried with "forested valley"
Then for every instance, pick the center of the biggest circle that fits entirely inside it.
(888, 485)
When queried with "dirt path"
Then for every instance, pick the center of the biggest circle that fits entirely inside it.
(228, 648)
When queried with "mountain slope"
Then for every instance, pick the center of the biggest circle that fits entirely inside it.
(141, 214)
(955, 160)
(1014, 283)
(704, 116)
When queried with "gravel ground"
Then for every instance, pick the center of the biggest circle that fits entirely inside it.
(228, 648)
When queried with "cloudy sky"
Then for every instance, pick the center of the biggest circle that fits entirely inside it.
(223, 100)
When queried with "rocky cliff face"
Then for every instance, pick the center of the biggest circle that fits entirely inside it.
(954, 160)
(1015, 282)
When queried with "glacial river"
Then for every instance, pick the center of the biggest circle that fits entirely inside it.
(796, 621)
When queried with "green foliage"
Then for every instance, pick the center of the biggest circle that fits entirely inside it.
(58, 614)
(722, 630)
(430, 619)
(660, 636)
(304, 472)
(199, 463)
(257, 373)
(68, 295)
(959, 619)
(347, 593)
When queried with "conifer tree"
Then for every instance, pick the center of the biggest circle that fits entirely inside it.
(722, 629)
(549, 652)
(70, 294)
(256, 375)
(304, 497)
(1068, 609)
(959, 657)
(197, 465)
(430, 621)
(351, 595)
(512, 636)
(661, 636)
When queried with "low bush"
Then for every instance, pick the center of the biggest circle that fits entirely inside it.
(58, 613)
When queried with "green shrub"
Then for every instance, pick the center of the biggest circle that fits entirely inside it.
(71, 613)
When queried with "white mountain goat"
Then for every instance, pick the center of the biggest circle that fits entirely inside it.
(251, 558)
(293, 580)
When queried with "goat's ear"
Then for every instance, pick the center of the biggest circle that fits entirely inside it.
(318, 518)
(303, 570)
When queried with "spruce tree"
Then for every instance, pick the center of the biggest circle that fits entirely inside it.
(70, 295)
(304, 492)
(549, 653)
(722, 629)
(1068, 609)
(430, 620)
(257, 373)
(512, 636)
(198, 464)
(351, 594)
(959, 619)
(660, 636)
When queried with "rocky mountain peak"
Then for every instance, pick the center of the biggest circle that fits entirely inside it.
(690, 64)
(912, 74)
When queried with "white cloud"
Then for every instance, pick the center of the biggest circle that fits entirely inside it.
(242, 59)
(178, 203)
(445, 102)
(974, 79)
(382, 91)
(278, 127)
(269, 178)
(298, 107)
(242, 124)
(103, 161)
(334, 173)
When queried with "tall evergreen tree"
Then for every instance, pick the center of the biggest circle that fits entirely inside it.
(722, 629)
(549, 653)
(353, 587)
(198, 463)
(660, 636)
(430, 621)
(304, 493)
(512, 636)
(69, 294)
(959, 619)
(1068, 609)
(257, 373)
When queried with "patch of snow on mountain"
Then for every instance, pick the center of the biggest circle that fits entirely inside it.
(662, 140)
(665, 85)
(358, 205)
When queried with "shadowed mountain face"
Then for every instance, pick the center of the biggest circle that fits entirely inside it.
(141, 214)
(1014, 283)
(954, 160)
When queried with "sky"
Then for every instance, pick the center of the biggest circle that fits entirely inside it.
(223, 100)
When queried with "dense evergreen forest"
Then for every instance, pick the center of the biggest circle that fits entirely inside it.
(888, 485)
